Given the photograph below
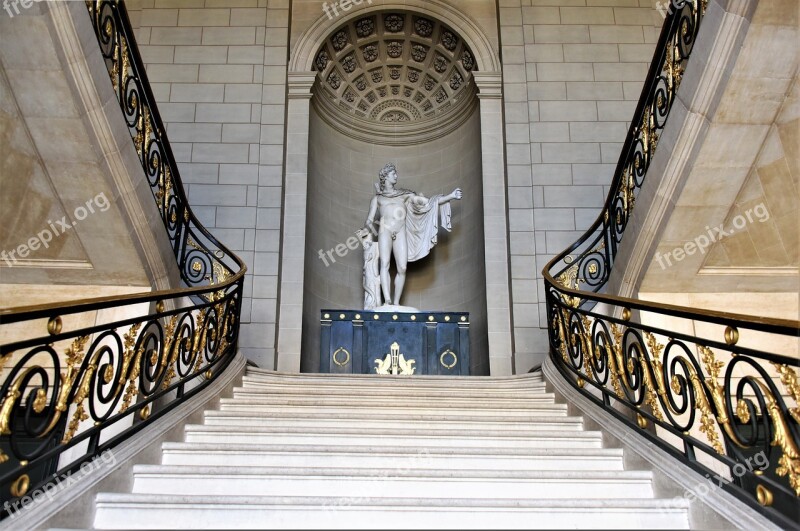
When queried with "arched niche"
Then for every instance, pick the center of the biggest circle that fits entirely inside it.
(323, 159)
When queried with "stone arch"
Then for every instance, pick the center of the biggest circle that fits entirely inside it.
(303, 54)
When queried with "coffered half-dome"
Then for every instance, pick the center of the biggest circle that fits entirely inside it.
(394, 77)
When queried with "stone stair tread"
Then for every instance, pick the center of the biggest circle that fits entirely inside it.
(401, 452)
(544, 397)
(338, 390)
(511, 422)
(335, 472)
(462, 413)
(195, 428)
(258, 382)
(371, 380)
(417, 377)
(324, 503)
(311, 416)
(502, 448)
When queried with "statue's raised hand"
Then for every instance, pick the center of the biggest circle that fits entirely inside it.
(457, 194)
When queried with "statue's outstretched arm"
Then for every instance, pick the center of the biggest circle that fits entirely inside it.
(457, 195)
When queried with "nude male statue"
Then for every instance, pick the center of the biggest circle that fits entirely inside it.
(408, 226)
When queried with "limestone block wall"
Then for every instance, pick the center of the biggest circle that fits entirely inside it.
(573, 72)
(218, 70)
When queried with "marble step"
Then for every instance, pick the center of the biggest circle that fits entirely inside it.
(389, 438)
(361, 380)
(389, 411)
(361, 390)
(430, 422)
(200, 454)
(399, 483)
(124, 511)
(399, 401)
(512, 377)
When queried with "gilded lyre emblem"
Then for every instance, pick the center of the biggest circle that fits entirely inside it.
(395, 363)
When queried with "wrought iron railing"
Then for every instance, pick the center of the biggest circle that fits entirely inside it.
(718, 391)
(79, 378)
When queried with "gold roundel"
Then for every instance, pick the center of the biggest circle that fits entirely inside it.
(454, 358)
(20, 486)
(346, 358)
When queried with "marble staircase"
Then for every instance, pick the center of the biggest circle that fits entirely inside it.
(326, 451)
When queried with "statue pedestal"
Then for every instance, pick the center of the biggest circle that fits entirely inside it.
(404, 344)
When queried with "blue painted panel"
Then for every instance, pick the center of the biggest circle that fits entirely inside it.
(352, 341)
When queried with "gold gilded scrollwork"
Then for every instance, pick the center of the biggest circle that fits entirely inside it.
(790, 382)
(656, 387)
(615, 361)
(789, 461)
(569, 279)
(589, 352)
(708, 420)
(742, 412)
(169, 331)
(558, 326)
(130, 365)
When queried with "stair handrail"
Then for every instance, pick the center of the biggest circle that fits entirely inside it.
(645, 362)
(71, 390)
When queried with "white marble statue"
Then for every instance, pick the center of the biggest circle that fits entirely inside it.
(408, 225)
(372, 277)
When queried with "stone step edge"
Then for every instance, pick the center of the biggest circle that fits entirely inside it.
(399, 408)
(342, 381)
(432, 451)
(309, 396)
(513, 378)
(396, 382)
(310, 416)
(328, 503)
(257, 381)
(365, 432)
(365, 389)
(215, 473)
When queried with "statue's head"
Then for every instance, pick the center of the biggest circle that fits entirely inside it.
(386, 172)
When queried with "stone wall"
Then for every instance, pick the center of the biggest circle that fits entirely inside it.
(573, 73)
(218, 70)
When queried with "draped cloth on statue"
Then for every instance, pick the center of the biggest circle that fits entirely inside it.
(422, 225)
(422, 221)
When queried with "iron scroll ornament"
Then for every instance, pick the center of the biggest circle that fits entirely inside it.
(710, 400)
(69, 386)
